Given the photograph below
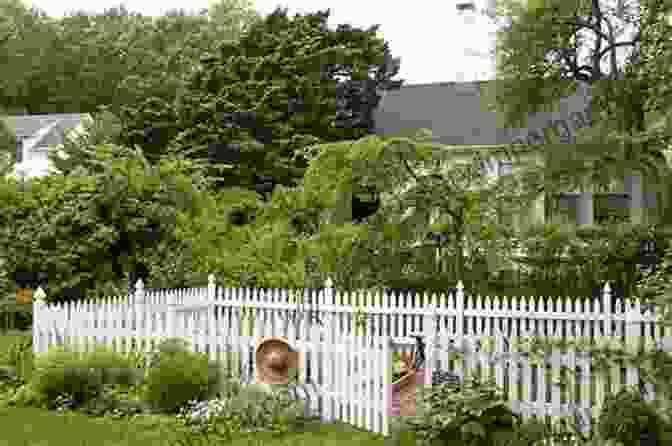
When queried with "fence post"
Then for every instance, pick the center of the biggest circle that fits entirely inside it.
(607, 311)
(171, 301)
(328, 299)
(212, 288)
(138, 302)
(39, 304)
(212, 296)
(632, 337)
(430, 325)
(459, 312)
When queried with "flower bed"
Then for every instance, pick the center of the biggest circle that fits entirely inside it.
(241, 409)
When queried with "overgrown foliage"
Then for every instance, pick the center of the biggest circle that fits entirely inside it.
(565, 261)
(474, 414)
(305, 84)
(395, 241)
(546, 50)
(87, 229)
(83, 61)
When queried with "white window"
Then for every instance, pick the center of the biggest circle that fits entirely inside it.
(505, 167)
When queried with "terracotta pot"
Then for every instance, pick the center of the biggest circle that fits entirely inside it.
(24, 296)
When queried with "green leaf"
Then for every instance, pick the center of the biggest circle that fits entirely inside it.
(474, 429)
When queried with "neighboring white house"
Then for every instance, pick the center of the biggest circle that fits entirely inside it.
(36, 135)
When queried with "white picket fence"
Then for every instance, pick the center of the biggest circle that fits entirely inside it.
(329, 358)
(232, 320)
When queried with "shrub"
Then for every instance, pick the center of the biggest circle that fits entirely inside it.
(475, 414)
(114, 367)
(26, 395)
(626, 415)
(166, 348)
(560, 431)
(177, 378)
(63, 372)
(19, 356)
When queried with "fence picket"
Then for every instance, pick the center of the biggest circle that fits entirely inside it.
(223, 321)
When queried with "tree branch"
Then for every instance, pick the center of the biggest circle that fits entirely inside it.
(580, 23)
(598, 44)
(405, 161)
(615, 45)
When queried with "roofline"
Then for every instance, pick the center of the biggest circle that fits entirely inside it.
(443, 84)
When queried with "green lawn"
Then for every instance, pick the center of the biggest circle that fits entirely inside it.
(36, 427)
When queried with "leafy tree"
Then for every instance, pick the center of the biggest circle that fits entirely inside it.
(82, 61)
(232, 18)
(163, 51)
(25, 35)
(394, 239)
(284, 73)
(73, 226)
(655, 55)
(545, 51)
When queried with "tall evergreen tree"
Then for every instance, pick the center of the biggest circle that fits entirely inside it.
(287, 84)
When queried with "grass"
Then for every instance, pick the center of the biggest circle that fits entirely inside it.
(42, 427)
(37, 427)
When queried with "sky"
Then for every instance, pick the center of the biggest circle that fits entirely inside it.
(435, 42)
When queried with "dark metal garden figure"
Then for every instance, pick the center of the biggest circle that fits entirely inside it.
(439, 377)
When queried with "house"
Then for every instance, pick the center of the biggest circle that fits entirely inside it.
(36, 135)
(457, 115)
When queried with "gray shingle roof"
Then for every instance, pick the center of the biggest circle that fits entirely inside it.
(457, 114)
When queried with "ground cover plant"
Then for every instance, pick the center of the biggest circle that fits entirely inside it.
(114, 409)
(109, 399)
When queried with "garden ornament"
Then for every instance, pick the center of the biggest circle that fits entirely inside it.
(275, 358)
